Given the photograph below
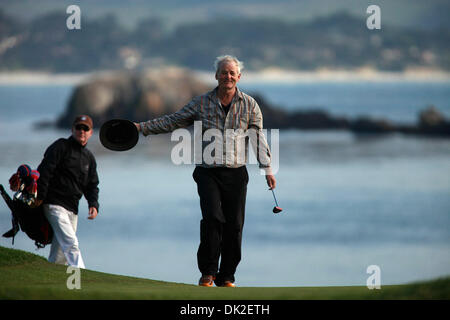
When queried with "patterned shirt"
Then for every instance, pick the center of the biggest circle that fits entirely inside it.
(231, 131)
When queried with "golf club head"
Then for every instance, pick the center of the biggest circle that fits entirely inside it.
(11, 233)
(277, 209)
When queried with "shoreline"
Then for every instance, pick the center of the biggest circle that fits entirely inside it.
(269, 75)
(42, 78)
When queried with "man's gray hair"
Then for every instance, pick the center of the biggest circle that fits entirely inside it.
(227, 58)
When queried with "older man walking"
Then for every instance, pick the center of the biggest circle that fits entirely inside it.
(221, 185)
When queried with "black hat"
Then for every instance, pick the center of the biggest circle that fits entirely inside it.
(119, 135)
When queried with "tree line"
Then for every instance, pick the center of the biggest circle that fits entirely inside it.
(336, 41)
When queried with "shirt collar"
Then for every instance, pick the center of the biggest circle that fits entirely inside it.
(213, 94)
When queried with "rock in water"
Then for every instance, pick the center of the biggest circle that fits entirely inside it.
(432, 122)
(134, 96)
(153, 93)
(431, 117)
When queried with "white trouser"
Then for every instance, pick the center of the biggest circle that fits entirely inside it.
(64, 249)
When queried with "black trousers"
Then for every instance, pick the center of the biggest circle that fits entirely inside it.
(222, 194)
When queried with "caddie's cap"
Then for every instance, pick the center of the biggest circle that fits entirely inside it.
(84, 119)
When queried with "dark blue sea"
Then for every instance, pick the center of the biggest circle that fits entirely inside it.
(349, 202)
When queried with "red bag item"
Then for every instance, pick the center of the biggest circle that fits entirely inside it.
(14, 182)
(35, 175)
(32, 187)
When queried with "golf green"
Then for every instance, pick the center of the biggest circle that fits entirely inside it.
(24, 276)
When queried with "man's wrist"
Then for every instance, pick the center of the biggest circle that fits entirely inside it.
(267, 171)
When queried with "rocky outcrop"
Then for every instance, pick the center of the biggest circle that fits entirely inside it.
(368, 125)
(133, 96)
(150, 94)
(431, 123)
(276, 117)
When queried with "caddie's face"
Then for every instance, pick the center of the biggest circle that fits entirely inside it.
(81, 133)
(228, 75)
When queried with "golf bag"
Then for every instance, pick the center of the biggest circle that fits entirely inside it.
(25, 215)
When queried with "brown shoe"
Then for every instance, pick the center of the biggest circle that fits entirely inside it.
(206, 281)
(227, 284)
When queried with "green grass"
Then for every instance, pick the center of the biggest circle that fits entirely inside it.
(24, 275)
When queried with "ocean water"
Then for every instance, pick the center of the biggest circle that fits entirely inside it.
(349, 201)
(398, 101)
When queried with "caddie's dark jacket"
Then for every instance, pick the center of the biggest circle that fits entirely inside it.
(67, 172)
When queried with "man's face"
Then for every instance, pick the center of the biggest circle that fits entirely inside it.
(80, 134)
(228, 75)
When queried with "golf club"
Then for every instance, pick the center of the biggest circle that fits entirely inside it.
(276, 209)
